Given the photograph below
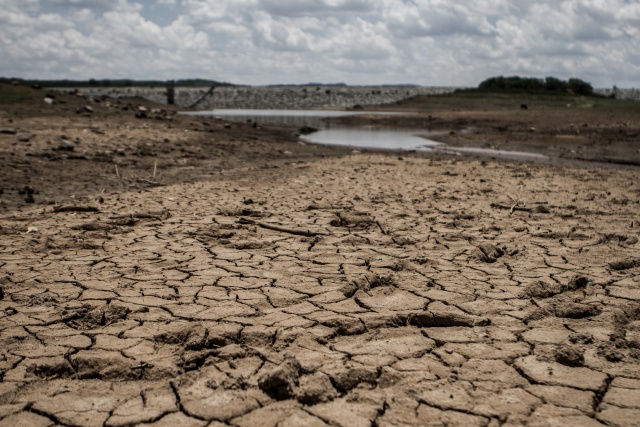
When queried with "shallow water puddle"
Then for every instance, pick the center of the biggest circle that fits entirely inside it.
(330, 133)
(356, 136)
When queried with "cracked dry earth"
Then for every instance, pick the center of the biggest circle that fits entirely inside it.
(362, 291)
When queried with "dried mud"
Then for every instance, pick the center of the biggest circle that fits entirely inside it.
(357, 289)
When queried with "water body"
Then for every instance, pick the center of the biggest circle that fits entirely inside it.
(379, 137)
(330, 133)
(360, 136)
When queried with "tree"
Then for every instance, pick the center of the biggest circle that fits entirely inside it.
(580, 87)
(532, 84)
(554, 84)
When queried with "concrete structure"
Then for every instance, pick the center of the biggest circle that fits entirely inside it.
(273, 97)
(289, 97)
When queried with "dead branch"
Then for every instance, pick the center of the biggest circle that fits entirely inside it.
(280, 229)
(75, 209)
(516, 200)
(510, 208)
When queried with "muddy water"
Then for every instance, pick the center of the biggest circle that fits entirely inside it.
(386, 138)
(332, 134)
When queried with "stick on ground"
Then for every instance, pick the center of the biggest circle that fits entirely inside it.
(281, 229)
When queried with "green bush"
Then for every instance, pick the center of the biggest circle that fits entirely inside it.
(532, 84)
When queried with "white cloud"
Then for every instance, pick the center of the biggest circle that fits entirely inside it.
(432, 42)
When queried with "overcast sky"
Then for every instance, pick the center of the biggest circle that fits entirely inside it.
(427, 42)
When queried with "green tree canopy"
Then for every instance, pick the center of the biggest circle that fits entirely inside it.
(532, 84)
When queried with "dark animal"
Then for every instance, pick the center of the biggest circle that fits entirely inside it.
(524, 107)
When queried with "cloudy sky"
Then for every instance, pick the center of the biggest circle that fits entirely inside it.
(427, 42)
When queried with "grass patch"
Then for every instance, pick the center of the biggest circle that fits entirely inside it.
(488, 101)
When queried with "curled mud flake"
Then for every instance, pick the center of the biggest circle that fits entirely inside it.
(75, 209)
(354, 220)
(404, 241)
(377, 281)
(38, 300)
(611, 353)
(343, 325)
(621, 239)
(252, 245)
(124, 222)
(106, 365)
(89, 317)
(537, 314)
(314, 389)
(348, 376)
(193, 360)
(541, 209)
(94, 226)
(144, 216)
(400, 266)
(281, 381)
(422, 260)
(541, 289)
(576, 310)
(50, 368)
(351, 288)
(209, 235)
(192, 337)
(624, 264)
(430, 319)
(242, 212)
(584, 338)
(578, 282)
(488, 253)
(570, 356)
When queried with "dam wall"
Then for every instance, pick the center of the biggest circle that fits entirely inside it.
(271, 97)
(289, 97)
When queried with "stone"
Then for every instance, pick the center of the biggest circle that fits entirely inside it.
(281, 381)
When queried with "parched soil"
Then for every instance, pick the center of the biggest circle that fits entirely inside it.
(226, 274)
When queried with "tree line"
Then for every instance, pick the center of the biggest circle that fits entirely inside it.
(532, 84)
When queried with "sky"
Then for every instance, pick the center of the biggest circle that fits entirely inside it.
(359, 42)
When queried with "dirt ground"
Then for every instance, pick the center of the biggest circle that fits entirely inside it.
(180, 271)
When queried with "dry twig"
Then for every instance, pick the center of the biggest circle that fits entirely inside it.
(516, 200)
(281, 229)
